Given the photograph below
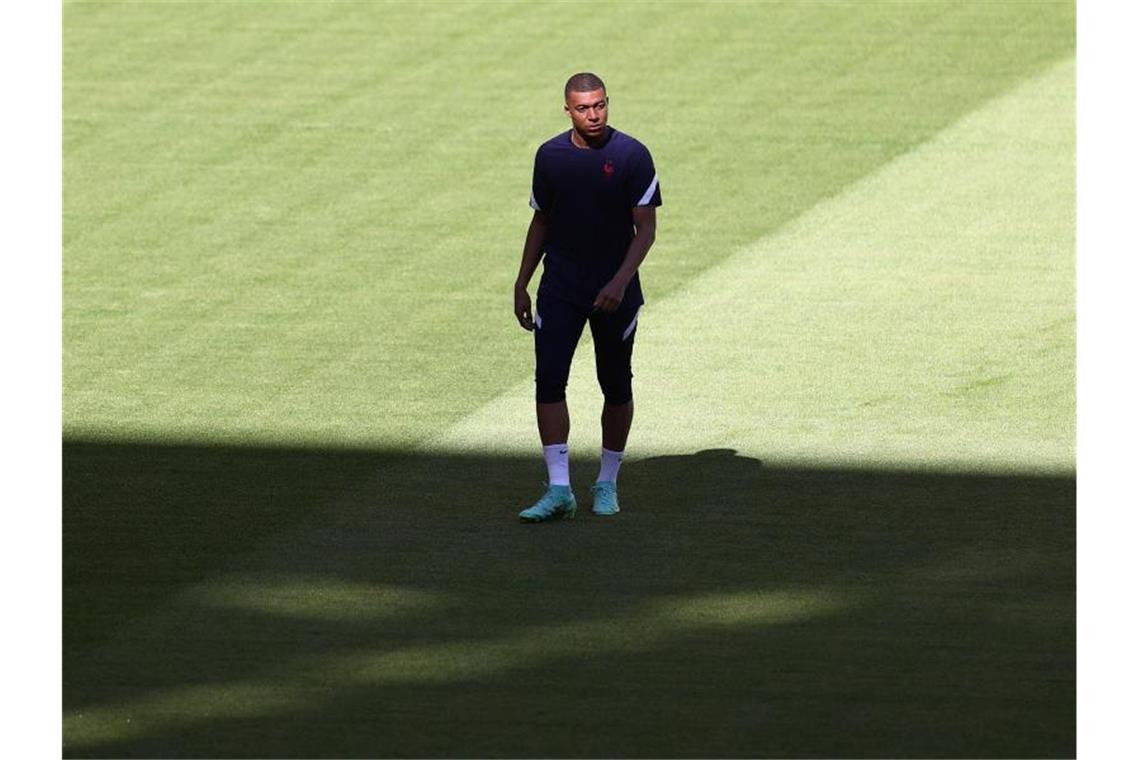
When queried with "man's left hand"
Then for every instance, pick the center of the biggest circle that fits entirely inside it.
(610, 297)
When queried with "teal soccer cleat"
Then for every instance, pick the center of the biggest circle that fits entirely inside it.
(605, 498)
(557, 502)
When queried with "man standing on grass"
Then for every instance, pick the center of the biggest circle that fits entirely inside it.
(595, 198)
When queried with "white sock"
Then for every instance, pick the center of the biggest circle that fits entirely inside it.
(557, 458)
(611, 463)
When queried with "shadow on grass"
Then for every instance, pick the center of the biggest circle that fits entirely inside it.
(285, 602)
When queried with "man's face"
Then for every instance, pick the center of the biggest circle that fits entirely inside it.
(588, 111)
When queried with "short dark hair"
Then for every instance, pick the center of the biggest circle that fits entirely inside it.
(584, 82)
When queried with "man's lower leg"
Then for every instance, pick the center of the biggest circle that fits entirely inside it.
(616, 421)
(553, 422)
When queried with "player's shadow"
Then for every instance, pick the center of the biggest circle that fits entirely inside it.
(282, 602)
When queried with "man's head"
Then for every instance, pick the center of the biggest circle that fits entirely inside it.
(587, 105)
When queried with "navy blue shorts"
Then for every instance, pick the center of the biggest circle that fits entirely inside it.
(558, 326)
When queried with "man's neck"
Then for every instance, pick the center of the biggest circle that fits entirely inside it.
(581, 141)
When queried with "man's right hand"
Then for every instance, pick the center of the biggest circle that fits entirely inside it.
(522, 309)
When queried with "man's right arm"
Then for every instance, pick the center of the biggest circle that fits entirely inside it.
(532, 254)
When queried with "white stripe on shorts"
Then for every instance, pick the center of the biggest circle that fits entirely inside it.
(632, 324)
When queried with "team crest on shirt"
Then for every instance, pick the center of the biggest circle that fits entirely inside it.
(608, 168)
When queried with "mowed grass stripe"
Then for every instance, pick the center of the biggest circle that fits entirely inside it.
(299, 222)
(925, 317)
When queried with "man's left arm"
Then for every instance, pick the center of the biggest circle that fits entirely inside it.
(645, 232)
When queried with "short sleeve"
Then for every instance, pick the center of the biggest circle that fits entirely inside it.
(644, 189)
(539, 187)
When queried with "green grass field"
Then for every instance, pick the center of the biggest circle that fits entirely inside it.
(297, 407)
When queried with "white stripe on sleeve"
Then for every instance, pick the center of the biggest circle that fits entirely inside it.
(649, 192)
(533, 202)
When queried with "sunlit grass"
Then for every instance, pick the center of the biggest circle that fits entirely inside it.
(315, 599)
(299, 222)
(909, 321)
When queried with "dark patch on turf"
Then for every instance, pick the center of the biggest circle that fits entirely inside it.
(956, 636)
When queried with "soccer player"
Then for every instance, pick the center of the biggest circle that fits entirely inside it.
(595, 196)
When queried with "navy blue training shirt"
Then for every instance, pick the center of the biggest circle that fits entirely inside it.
(588, 195)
